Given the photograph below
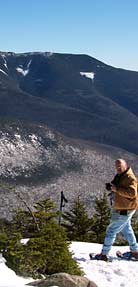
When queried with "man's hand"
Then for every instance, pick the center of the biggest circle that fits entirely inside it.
(113, 188)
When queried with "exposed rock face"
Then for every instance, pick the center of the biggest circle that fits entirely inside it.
(64, 280)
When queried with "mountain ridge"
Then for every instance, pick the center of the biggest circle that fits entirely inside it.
(64, 119)
(42, 87)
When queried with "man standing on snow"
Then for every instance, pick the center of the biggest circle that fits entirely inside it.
(124, 188)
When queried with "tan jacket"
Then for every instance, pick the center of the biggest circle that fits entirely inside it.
(126, 197)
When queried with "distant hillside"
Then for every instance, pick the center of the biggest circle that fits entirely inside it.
(76, 95)
(40, 163)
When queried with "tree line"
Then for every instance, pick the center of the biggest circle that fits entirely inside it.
(46, 250)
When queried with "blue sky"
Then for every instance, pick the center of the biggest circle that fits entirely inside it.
(104, 29)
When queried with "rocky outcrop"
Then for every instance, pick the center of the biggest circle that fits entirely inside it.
(64, 280)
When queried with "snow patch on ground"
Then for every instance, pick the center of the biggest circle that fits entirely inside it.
(118, 273)
(110, 274)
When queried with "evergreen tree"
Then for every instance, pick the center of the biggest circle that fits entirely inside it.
(5, 226)
(30, 222)
(46, 252)
(76, 221)
(100, 219)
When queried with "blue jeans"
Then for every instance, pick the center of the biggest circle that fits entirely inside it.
(120, 223)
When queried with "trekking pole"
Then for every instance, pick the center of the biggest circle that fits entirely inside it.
(63, 200)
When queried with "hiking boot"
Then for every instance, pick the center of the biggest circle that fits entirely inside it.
(134, 254)
(101, 256)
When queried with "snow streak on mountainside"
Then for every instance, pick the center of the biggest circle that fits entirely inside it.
(88, 75)
(76, 95)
